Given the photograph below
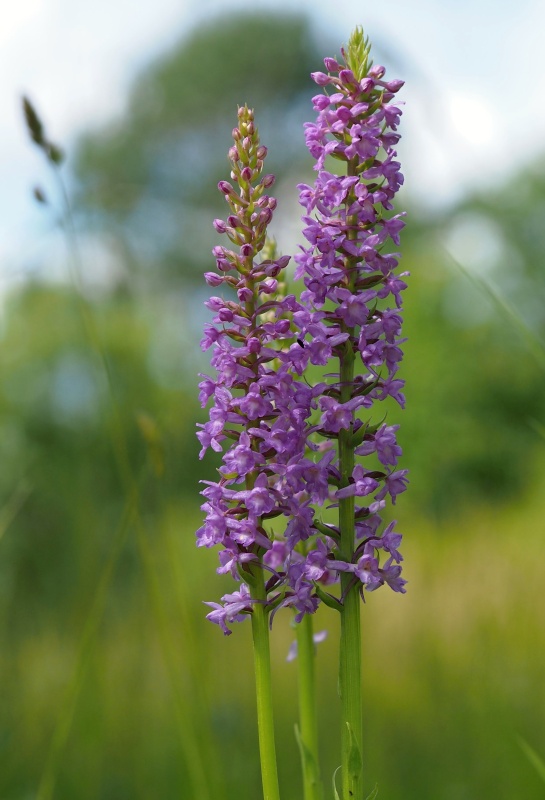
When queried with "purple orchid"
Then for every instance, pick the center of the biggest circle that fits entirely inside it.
(279, 433)
(351, 277)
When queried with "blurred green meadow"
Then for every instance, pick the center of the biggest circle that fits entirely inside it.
(113, 684)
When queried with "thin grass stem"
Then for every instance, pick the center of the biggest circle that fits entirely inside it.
(312, 782)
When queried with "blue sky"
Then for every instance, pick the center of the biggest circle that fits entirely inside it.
(475, 74)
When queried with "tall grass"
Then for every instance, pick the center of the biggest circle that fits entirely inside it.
(453, 675)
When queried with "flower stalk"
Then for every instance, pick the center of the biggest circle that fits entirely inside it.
(307, 734)
(350, 675)
(263, 685)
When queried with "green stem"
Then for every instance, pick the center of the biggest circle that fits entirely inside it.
(263, 685)
(351, 699)
(308, 742)
(350, 645)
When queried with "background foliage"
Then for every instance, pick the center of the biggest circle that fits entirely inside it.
(114, 686)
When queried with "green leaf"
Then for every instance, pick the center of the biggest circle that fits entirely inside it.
(326, 530)
(308, 762)
(535, 760)
(328, 599)
(335, 792)
(354, 755)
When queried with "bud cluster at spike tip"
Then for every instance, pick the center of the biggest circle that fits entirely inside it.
(281, 431)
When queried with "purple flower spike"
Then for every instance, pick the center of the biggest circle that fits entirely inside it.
(259, 404)
(281, 437)
(353, 290)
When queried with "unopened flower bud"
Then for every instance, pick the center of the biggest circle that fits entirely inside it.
(220, 225)
(226, 188)
(320, 78)
(348, 77)
(213, 279)
(267, 181)
(265, 217)
(377, 71)
(331, 64)
(225, 315)
(246, 251)
(283, 325)
(245, 113)
(395, 85)
(214, 303)
(367, 85)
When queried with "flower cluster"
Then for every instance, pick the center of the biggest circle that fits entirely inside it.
(259, 406)
(293, 444)
(351, 278)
